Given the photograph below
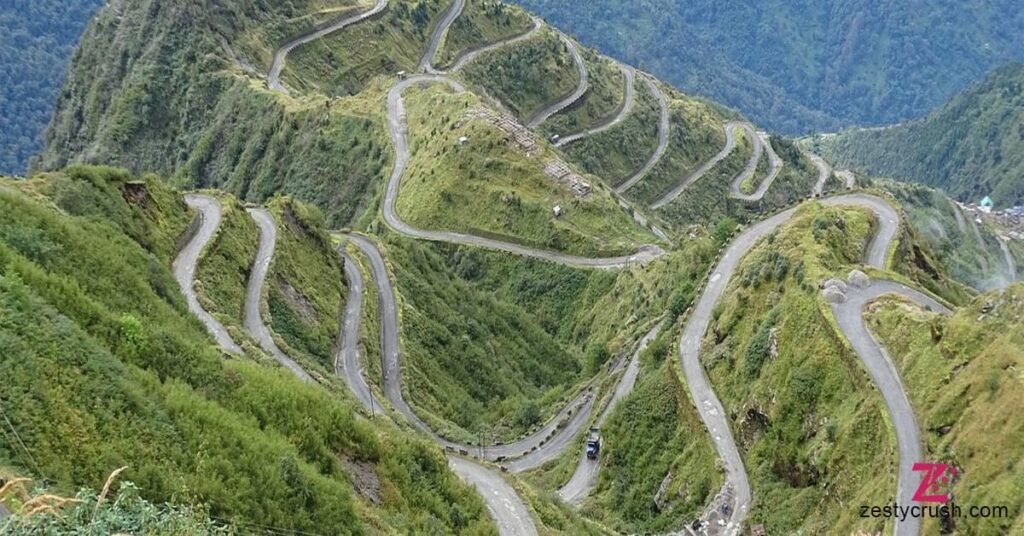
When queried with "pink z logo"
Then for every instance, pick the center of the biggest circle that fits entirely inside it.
(936, 475)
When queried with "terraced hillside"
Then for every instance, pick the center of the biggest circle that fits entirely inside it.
(494, 291)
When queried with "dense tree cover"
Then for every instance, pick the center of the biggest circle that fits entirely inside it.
(105, 368)
(804, 65)
(157, 86)
(35, 46)
(971, 147)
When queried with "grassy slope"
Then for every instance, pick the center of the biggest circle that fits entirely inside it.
(971, 147)
(305, 290)
(813, 433)
(483, 22)
(105, 370)
(707, 199)
(153, 87)
(527, 76)
(603, 98)
(962, 380)
(343, 63)
(471, 358)
(616, 154)
(492, 187)
(655, 436)
(695, 135)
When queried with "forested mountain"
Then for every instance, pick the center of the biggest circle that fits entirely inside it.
(803, 65)
(434, 267)
(36, 40)
(971, 147)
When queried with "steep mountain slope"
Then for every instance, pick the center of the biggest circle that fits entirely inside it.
(35, 46)
(105, 368)
(971, 147)
(804, 65)
(493, 292)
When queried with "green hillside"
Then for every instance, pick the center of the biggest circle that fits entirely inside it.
(800, 66)
(971, 147)
(106, 368)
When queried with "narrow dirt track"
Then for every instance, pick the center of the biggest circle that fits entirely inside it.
(209, 211)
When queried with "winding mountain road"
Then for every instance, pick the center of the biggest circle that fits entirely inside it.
(629, 95)
(346, 360)
(850, 317)
(730, 145)
(281, 56)
(538, 118)
(737, 485)
(824, 172)
(471, 55)
(253, 319)
(584, 479)
(427, 61)
(209, 213)
(762, 146)
(659, 151)
(398, 128)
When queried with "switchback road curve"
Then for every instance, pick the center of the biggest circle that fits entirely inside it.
(209, 212)
(659, 151)
(398, 128)
(453, 12)
(253, 319)
(584, 84)
(849, 315)
(708, 406)
(281, 56)
(629, 95)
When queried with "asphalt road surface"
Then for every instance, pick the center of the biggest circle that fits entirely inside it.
(469, 56)
(584, 479)
(850, 317)
(426, 62)
(629, 95)
(659, 151)
(346, 360)
(730, 145)
(761, 146)
(710, 408)
(584, 84)
(208, 210)
(504, 504)
(281, 56)
(253, 319)
(400, 139)
(824, 172)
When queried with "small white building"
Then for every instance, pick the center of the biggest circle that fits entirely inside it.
(558, 211)
(463, 141)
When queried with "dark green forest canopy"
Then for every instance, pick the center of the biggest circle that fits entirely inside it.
(802, 65)
(36, 40)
